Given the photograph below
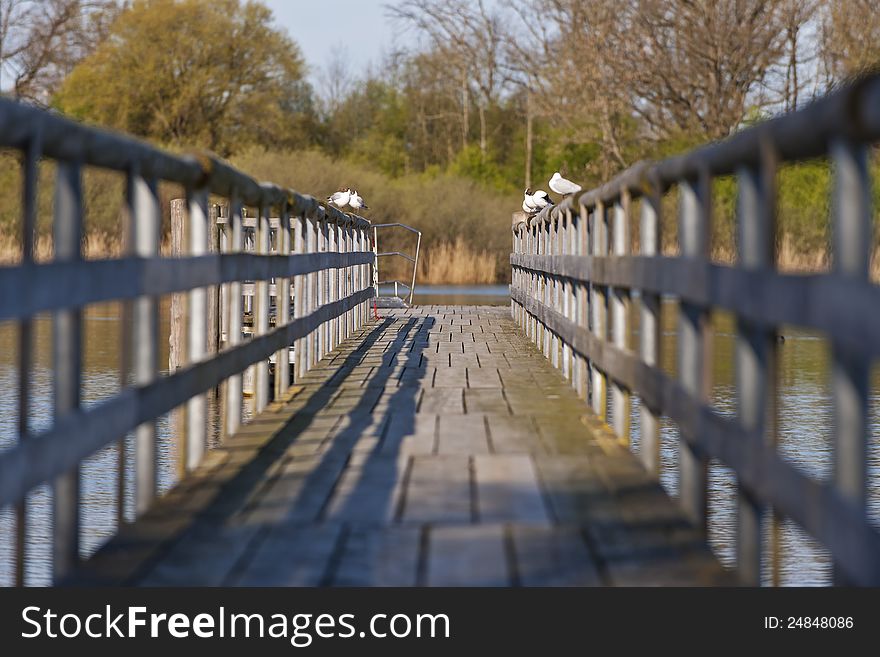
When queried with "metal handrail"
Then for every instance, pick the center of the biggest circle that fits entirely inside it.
(572, 264)
(413, 259)
(321, 251)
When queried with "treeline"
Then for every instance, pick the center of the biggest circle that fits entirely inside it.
(491, 98)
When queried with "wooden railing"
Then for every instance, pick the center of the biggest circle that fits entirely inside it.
(323, 253)
(574, 278)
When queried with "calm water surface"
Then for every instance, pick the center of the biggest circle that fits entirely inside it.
(804, 439)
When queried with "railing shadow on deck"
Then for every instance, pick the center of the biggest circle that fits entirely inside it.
(240, 518)
(366, 504)
(572, 284)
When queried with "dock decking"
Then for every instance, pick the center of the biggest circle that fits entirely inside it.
(434, 447)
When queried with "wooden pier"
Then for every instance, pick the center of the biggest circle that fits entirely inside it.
(434, 447)
(442, 445)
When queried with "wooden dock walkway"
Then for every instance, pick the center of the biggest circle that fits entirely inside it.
(436, 446)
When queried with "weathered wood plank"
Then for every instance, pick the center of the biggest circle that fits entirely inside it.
(467, 556)
(553, 556)
(372, 474)
(439, 490)
(507, 489)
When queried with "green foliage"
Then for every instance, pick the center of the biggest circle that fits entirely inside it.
(216, 74)
(442, 205)
(470, 163)
(207, 73)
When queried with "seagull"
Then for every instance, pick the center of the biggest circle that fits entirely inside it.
(541, 199)
(528, 205)
(356, 201)
(340, 198)
(562, 186)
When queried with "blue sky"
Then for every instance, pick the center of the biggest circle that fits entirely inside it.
(359, 26)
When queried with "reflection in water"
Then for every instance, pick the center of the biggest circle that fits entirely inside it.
(805, 417)
(99, 482)
(458, 295)
(805, 412)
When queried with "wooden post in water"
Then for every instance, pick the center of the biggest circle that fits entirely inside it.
(177, 333)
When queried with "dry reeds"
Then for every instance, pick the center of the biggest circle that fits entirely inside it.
(457, 263)
(95, 246)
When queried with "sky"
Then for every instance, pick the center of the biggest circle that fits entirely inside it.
(360, 27)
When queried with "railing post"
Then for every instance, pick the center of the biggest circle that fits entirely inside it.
(367, 271)
(598, 305)
(649, 329)
(339, 276)
(30, 174)
(851, 241)
(571, 249)
(146, 220)
(332, 285)
(347, 280)
(197, 335)
(261, 311)
(620, 399)
(582, 290)
(535, 282)
(547, 284)
(67, 362)
(323, 287)
(554, 291)
(282, 305)
(755, 350)
(694, 343)
(233, 322)
(300, 302)
(565, 291)
(343, 283)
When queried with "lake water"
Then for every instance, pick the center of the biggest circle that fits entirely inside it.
(805, 428)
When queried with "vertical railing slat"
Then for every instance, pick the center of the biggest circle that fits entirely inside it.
(583, 307)
(197, 330)
(233, 321)
(282, 306)
(30, 174)
(299, 301)
(67, 363)
(649, 328)
(620, 399)
(694, 342)
(146, 229)
(261, 312)
(850, 386)
(598, 304)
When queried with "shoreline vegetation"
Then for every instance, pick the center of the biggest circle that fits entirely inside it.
(466, 227)
(443, 135)
(445, 263)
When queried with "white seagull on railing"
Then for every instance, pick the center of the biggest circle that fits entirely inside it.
(562, 186)
(356, 201)
(340, 199)
(536, 202)
(541, 199)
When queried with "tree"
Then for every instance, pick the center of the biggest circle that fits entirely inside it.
(213, 73)
(561, 56)
(41, 41)
(469, 38)
(796, 15)
(850, 37)
(693, 66)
